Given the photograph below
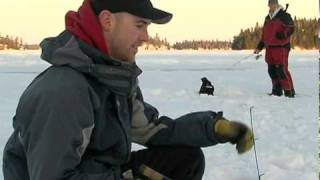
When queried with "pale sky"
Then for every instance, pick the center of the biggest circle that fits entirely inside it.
(34, 20)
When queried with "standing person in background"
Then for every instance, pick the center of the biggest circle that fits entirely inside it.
(78, 118)
(277, 30)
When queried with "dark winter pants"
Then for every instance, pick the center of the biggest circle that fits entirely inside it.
(178, 163)
(277, 59)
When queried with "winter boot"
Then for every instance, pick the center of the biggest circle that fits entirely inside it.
(289, 93)
(277, 90)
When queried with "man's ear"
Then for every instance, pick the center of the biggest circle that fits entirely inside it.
(106, 20)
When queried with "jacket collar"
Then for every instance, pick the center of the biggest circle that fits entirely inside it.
(272, 15)
(65, 50)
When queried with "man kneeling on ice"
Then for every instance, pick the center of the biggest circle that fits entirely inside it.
(78, 118)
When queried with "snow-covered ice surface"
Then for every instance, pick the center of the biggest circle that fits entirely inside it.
(286, 129)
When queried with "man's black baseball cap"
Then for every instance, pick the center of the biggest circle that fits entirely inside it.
(140, 8)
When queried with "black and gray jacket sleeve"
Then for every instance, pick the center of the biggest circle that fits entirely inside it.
(194, 129)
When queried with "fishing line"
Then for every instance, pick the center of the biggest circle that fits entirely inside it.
(254, 146)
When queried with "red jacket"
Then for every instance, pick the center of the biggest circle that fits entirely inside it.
(277, 31)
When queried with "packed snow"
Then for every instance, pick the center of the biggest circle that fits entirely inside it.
(286, 129)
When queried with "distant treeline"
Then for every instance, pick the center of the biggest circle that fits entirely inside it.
(157, 43)
(305, 35)
(207, 45)
(9, 42)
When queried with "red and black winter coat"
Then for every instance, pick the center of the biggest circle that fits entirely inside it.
(277, 31)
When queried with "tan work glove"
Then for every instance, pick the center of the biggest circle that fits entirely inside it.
(235, 133)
